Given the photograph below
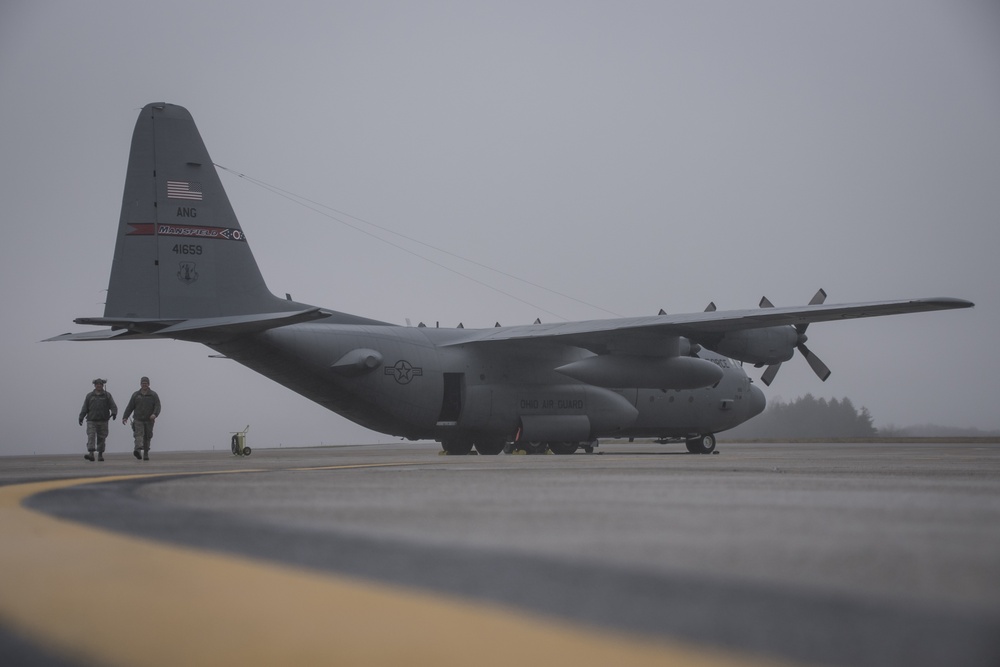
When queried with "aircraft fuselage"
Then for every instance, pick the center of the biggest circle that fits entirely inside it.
(413, 382)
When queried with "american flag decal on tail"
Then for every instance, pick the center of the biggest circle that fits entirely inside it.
(183, 190)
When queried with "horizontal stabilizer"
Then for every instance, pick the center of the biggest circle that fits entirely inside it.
(202, 330)
(135, 325)
(234, 326)
(103, 334)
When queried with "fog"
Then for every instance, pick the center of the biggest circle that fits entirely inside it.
(630, 155)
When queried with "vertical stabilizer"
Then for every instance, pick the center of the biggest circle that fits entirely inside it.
(180, 251)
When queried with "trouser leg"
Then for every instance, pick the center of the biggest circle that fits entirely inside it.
(101, 431)
(137, 433)
(142, 431)
(91, 436)
(147, 436)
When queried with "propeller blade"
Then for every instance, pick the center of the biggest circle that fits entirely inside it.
(818, 298)
(819, 368)
(767, 377)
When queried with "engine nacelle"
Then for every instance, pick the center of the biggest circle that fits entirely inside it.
(771, 345)
(624, 370)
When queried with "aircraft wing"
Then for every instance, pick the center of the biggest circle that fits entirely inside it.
(597, 335)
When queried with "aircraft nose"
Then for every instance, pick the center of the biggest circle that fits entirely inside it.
(757, 401)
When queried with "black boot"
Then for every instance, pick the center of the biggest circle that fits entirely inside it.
(100, 456)
(89, 456)
(145, 455)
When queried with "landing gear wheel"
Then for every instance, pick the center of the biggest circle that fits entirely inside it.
(703, 444)
(563, 447)
(490, 447)
(536, 447)
(456, 447)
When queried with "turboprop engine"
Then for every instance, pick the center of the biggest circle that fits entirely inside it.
(758, 346)
(644, 372)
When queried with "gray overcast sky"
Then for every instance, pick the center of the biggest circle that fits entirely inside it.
(634, 155)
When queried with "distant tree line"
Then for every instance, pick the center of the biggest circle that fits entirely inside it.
(808, 417)
(934, 431)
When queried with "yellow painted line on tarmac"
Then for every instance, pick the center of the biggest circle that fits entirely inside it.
(108, 599)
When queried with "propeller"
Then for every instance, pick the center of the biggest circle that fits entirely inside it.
(819, 368)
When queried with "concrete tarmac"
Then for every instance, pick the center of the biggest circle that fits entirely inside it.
(821, 554)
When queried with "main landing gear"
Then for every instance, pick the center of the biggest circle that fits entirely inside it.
(493, 447)
(703, 444)
(460, 447)
(560, 448)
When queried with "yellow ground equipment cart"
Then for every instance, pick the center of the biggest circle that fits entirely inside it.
(239, 442)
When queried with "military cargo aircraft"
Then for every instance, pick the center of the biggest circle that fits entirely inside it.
(183, 269)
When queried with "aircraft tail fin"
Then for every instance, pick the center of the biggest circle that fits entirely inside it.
(180, 251)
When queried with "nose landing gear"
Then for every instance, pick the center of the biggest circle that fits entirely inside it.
(703, 444)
